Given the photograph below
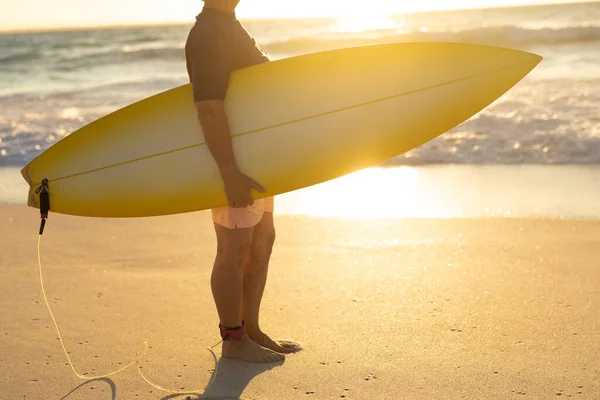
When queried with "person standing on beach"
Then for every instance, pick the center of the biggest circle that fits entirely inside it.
(217, 45)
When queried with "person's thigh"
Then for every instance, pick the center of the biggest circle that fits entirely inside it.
(233, 244)
(265, 229)
(269, 205)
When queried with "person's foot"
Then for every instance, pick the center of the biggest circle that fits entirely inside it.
(247, 350)
(280, 346)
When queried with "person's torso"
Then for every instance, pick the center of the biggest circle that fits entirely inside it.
(231, 41)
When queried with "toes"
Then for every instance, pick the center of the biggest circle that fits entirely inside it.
(290, 350)
(289, 345)
(274, 357)
(286, 350)
(278, 356)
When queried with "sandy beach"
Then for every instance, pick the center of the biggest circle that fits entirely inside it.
(466, 268)
(385, 308)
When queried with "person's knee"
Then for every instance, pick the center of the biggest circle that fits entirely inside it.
(264, 233)
(230, 260)
(233, 253)
(262, 246)
(268, 238)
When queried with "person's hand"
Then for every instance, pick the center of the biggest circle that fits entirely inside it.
(238, 187)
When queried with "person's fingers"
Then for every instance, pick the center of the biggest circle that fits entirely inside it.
(255, 185)
(240, 202)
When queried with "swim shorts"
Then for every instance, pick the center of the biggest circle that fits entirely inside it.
(239, 218)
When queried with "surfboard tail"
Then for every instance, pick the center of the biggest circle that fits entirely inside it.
(31, 197)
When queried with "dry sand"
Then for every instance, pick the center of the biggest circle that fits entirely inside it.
(386, 309)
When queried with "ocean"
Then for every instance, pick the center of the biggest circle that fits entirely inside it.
(54, 82)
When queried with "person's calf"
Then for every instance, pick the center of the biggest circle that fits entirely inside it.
(227, 288)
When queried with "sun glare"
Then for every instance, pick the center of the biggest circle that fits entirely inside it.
(351, 15)
(369, 193)
(363, 23)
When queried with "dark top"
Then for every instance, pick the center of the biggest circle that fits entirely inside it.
(217, 45)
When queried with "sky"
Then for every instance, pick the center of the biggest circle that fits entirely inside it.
(35, 14)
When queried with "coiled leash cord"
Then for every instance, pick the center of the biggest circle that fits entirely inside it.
(42, 191)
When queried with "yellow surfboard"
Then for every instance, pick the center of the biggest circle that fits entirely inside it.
(295, 122)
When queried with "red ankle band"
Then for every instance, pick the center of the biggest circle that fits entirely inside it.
(228, 334)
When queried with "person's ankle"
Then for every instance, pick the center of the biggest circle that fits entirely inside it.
(236, 343)
(252, 329)
(233, 333)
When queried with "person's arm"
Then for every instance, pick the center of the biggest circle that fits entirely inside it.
(213, 119)
(209, 69)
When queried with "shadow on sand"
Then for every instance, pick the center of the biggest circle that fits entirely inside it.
(232, 379)
(113, 387)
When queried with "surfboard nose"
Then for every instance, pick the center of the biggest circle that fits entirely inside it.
(503, 55)
(531, 57)
(473, 58)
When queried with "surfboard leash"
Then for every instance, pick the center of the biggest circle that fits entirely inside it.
(44, 192)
